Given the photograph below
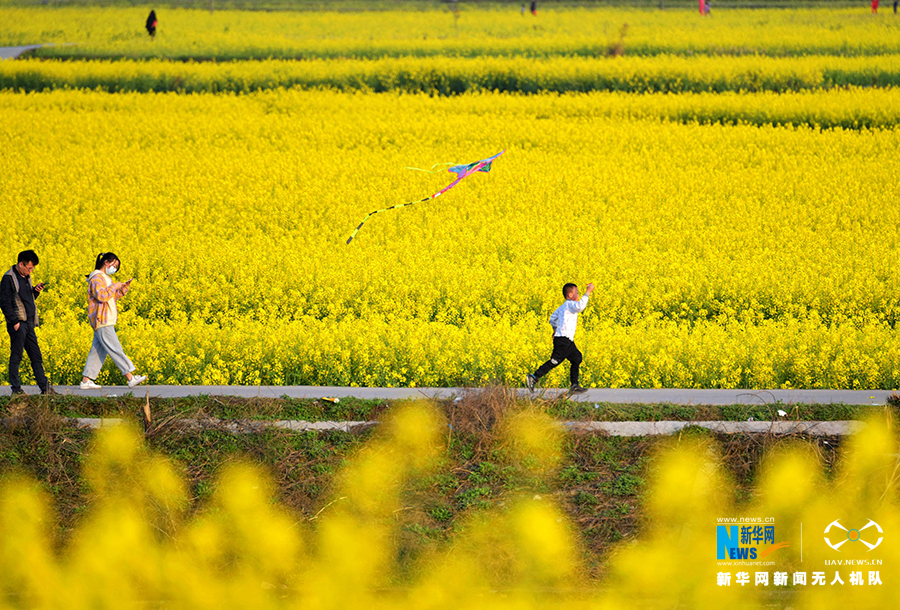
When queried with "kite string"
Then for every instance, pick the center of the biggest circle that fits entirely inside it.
(434, 167)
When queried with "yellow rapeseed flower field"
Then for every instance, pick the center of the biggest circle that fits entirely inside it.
(724, 255)
(730, 185)
(113, 32)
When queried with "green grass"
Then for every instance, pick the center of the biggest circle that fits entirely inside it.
(582, 411)
(357, 409)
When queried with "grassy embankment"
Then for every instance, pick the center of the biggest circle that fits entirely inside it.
(599, 482)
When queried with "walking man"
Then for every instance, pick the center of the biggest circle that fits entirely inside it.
(151, 24)
(564, 320)
(17, 297)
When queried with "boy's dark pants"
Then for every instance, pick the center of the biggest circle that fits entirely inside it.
(24, 340)
(563, 349)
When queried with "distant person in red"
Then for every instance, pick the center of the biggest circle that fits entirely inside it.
(151, 24)
(874, 6)
(534, 7)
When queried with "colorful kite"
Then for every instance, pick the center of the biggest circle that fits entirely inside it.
(461, 172)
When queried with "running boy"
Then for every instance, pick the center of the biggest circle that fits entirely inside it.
(563, 321)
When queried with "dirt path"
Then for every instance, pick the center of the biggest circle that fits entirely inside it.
(15, 52)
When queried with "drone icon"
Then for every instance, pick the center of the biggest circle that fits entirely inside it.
(853, 535)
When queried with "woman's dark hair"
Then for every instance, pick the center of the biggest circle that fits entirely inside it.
(104, 258)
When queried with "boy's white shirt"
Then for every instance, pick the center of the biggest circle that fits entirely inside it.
(565, 318)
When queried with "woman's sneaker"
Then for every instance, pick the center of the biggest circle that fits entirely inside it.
(577, 389)
(530, 381)
(90, 385)
(136, 380)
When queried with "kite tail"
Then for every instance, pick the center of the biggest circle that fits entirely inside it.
(356, 230)
(370, 214)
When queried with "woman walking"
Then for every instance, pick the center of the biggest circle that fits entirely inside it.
(103, 295)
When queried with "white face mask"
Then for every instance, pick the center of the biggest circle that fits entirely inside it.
(112, 270)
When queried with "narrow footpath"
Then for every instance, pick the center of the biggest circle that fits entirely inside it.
(17, 52)
(597, 395)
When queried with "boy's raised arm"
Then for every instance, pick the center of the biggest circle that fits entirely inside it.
(580, 305)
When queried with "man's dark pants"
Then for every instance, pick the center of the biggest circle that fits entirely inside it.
(563, 349)
(24, 340)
